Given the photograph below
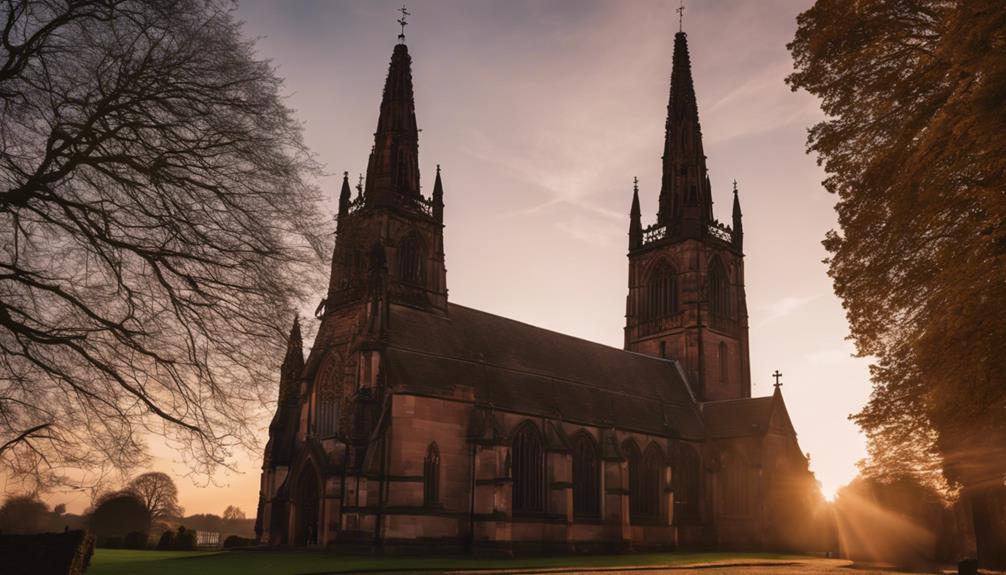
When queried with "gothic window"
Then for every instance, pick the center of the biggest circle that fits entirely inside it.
(724, 364)
(644, 481)
(326, 400)
(410, 259)
(635, 461)
(686, 485)
(431, 475)
(661, 292)
(528, 461)
(586, 477)
(719, 290)
(653, 484)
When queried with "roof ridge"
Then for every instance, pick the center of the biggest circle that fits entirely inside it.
(547, 375)
(565, 335)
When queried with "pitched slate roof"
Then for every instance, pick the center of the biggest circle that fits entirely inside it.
(525, 369)
(737, 417)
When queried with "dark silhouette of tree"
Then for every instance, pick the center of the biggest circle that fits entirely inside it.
(914, 149)
(158, 493)
(233, 513)
(24, 514)
(158, 229)
(116, 514)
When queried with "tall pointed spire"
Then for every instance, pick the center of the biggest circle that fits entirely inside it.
(685, 199)
(738, 226)
(635, 218)
(344, 195)
(438, 198)
(293, 364)
(393, 169)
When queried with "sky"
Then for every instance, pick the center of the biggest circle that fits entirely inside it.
(540, 114)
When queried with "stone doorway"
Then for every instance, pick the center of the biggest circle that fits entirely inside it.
(306, 510)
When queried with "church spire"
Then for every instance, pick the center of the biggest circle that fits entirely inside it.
(293, 364)
(393, 169)
(635, 218)
(438, 198)
(738, 227)
(344, 195)
(685, 199)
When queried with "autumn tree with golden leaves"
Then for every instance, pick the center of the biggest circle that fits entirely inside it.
(914, 149)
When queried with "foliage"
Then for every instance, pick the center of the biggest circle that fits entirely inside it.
(135, 540)
(913, 147)
(116, 514)
(167, 541)
(158, 493)
(185, 539)
(233, 513)
(66, 553)
(158, 230)
(24, 514)
(238, 541)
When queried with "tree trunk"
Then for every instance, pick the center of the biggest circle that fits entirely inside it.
(988, 507)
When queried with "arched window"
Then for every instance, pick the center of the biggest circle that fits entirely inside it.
(637, 482)
(686, 485)
(653, 480)
(410, 259)
(719, 290)
(326, 422)
(586, 477)
(431, 475)
(528, 460)
(724, 363)
(661, 292)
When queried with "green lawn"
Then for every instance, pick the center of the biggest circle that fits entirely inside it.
(120, 562)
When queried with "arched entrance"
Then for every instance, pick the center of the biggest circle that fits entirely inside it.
(306, 509)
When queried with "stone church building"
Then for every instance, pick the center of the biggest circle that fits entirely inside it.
(418, 422)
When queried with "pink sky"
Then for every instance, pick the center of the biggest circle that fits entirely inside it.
(540, 114)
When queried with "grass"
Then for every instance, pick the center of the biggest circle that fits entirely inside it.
(121, 562)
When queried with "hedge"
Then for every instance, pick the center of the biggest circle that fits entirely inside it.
(67, 553)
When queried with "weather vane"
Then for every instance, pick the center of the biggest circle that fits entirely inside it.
(403, 22)
(681, 16)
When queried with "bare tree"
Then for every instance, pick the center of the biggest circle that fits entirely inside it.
(158, 493)
(157, 230)
(233, 513)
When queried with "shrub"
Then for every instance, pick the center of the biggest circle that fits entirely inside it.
(135, 540)
(63, 553)
(167, 541)
(185, 539)
(238, 541)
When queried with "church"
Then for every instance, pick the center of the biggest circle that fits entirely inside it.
(418, 423)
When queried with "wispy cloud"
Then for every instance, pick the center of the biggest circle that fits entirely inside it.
(783, 307)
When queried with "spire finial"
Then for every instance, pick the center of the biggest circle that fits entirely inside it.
(735, 187)
(438, 168)
(681, 16)
(359, 186)
(403, 23)
(635, 184)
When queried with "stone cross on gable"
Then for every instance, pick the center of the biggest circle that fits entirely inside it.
(777, 375)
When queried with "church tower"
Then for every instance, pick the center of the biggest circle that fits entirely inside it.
(389, 232)
(686, 272)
